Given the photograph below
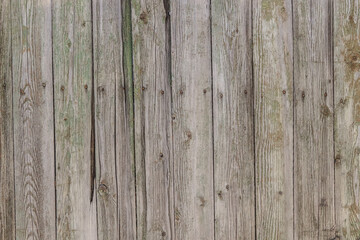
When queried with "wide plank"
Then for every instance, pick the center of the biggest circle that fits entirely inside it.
(191, 81)
(74, 120)
(313, 120)
(153, 129)
(33, 119)
(233, 119)
(273, 80)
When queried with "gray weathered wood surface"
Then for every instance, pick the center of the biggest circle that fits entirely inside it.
(179, 119)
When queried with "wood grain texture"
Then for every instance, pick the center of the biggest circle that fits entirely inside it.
(314, 149)
(233, 120)
(107, 75)
(125, 148)
(33, 119)
(192, 119)
(273, 80)
(347, 117)
(74, 119)
(7, 194)
(151, 37)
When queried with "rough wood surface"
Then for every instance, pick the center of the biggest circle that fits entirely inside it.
(125, 150)
(192, 119)
(347, 117)
(179, 119)
(7, 194)
(151, 37)
(33, 119)
(107, 75)
(313, 120)
(74, 120)
(233, 120)
(273, 81)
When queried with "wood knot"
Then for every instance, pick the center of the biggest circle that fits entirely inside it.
(221, 95)
(22, 92)
(161, 155)
(204, 91)
(103, 189)
(202, 201)
(323, 202)
(86, 86)
(284, 92)
(143, 17)
(181, 92)
(62, 88)
(325, 94)
(163, 233)
(337, 159)
(44, 85)
(245, 92)
(227, 187)
(219, 193)
(162, 92)
(303, 94)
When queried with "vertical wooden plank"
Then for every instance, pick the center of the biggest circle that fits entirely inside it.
(7, 195)
(273, 76)
(151, 37)
(125, 148)
(233, 119)
(347, 116)
(192, 119)
(107, 75)
(116, 187)
(74, 118)
(33, 119)
(314, 160)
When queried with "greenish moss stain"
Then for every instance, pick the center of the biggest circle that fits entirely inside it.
(128, 73)
(273, 8)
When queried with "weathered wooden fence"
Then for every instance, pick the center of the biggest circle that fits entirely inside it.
(179, 119)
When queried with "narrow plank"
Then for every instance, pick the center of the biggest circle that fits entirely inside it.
(33, 119)
(7, 195)
(233, 120)
(347, 93)
(151, 37)
(273, 81)
(74, 119)
(314, 160)
(125, 145)
(192, 119)
(107, 75)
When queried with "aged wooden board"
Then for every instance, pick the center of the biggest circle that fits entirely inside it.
(233, 120)
(347, 117)
(151, 38)
(107, 75)
(192, 119)
(273, 81)
(33, 119)
(7, 194)
(74, 120)
(313, 120)
(125, 132)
